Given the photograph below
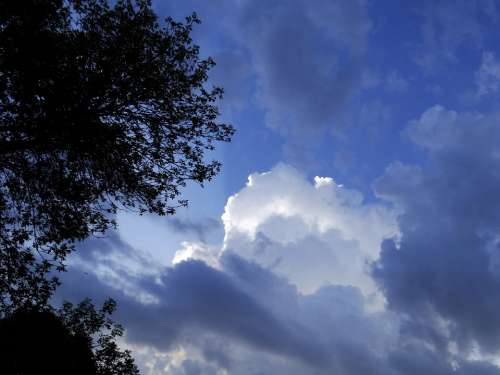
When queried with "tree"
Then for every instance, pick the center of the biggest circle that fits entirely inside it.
(78, 340)
(101, 108)
(36, 342)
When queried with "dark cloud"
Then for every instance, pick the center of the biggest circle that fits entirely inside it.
(443, 271)
(200, 228)
(302, 60)
(477, 367)
(194, 295)
(190, 367)
(247, 305)
(245, 319)
(202, 295)
(99, 248)
(308, 58)
(441, 279)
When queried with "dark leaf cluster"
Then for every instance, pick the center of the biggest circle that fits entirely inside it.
(102, 107)
(78, 340)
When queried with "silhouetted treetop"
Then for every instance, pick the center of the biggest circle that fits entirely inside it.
(76, 340)
(101, 107)
(36, 342)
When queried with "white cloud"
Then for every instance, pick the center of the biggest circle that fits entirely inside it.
(439, 128)
(311, 233)
(199, 251)
(289, 292)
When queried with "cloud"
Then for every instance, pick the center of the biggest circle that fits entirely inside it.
(449, 25)
(488, 75)
(438, 128)
(396, 83)
(443, 270)
(199, 228)
(289, 291)
(229, 311)
(243, 319)
(300, 60)
(283, 221)
(190, 367)
(261, 315)
(293, 66)
(308, 58)
(199, 251)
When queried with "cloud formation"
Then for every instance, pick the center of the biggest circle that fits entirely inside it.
(488, 75)
(443, 270)
(449, 25)
(284, 222)
(308, 58)
(264, 302)
(267, 323)
(301, 61)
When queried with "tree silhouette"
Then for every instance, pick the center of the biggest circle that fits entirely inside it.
(36, 342)
(101, 108)
(77, 340)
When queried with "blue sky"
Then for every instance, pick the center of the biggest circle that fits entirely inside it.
(330, 86)
(354, 226)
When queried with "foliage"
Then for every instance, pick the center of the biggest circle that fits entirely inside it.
(84, 320)
(101, 108)
(70, 340)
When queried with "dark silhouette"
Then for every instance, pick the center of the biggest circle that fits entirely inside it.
(40, 344)
(101, 108)
(72, 340)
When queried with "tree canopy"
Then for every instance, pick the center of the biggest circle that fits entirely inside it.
(102, 107)
(78, 340)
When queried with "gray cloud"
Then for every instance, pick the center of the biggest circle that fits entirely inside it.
(440, 278)
(245, 319)
(308, 58)
(260, 314)
(448, 25)
(195, 296)
(199, 228)
(443, 271)
(488, 75)
(302, 60)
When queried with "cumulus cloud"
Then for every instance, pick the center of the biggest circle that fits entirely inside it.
(229, 310)
(444, 267)
(242, 319)
(283, 221)
(263, 316)
(289, 291)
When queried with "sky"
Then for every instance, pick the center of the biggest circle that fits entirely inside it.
(355, 225)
